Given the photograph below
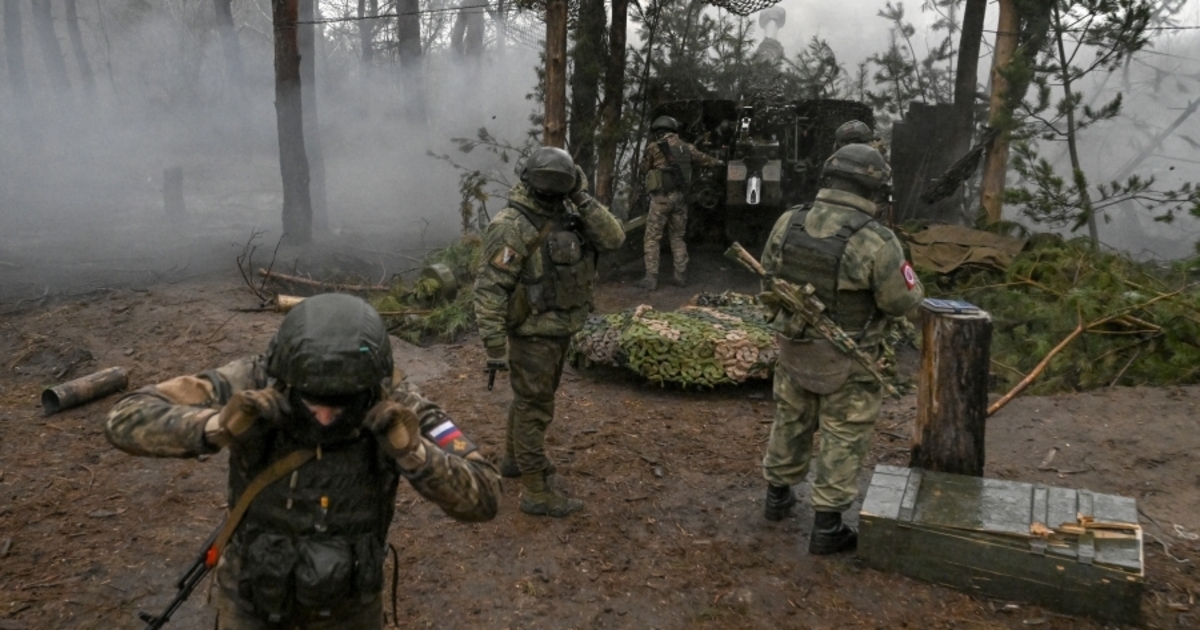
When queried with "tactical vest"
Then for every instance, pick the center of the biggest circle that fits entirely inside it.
(312, 543)
(818, 261)
(676, 174)
(568, 263)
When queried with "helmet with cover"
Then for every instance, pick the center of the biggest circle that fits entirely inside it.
(860, 164)
(852, 132)
(549, 171)
(331, 345)
(664, 124)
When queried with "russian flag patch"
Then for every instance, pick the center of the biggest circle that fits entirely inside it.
(451, 439)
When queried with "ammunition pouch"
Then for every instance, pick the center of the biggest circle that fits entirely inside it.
(568, 271)
(814, 364)
(326, 573)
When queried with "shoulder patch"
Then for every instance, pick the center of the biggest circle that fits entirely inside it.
(910, 277)
(507, 259)
(451, 439)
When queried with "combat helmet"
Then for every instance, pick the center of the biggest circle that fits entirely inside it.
(860, 164)
(331, 345)
(664, 124)
(852, 132)
(549, 170)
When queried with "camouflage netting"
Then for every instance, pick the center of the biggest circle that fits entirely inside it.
(718, 339)
(743, 7)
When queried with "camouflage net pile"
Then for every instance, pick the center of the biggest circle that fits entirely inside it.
(743, 7)
(719, 339)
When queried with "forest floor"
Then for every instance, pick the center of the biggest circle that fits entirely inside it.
(672, 535)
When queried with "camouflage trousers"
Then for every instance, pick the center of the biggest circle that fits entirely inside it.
(666, 211)
(535, 369)
(846, 419)
(232, 616)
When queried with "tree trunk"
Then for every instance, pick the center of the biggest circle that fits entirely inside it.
(289, 116)
(952, 393)
(56, 66)
(307, 36)
(589, 64)
(14, 51)
(614, 96)
(408, 37)
(1085, 198)
(366, 29)
(230, 45)
(85, 68)
(967, 78)
(554, 123)
(1000, 115)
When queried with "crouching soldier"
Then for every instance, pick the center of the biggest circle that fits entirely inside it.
(320, 432)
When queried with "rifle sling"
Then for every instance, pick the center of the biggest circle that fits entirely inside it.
(275, 472)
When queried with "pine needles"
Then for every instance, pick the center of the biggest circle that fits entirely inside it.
(422, 312)
(1140, 322)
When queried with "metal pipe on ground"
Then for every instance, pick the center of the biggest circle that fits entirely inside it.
(84, 389)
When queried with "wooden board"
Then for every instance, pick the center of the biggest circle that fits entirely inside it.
(1074, 551)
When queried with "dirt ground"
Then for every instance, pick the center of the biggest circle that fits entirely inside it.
(672, 535)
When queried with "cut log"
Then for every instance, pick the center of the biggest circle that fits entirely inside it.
(952, 392)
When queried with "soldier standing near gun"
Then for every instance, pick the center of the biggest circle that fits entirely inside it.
(859, 272)
(667, 163)
(320, 431)
(533, 291)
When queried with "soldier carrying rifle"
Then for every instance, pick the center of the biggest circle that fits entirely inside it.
(858, 272)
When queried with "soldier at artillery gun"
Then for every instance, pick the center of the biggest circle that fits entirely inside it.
(667, 163)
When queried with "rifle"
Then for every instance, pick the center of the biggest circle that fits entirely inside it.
(187, 583)
(803, 302)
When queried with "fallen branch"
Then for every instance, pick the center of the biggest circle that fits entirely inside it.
(322, 285)
(1041, 367)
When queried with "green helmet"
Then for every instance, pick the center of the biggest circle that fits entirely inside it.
(860, 164)
(853, 132)
(665, 123)
(331, 345)
(549, 170)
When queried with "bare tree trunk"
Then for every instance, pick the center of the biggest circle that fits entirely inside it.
(85, 68)
(967, 78)
(589, 60)
(230, 45)
(1085, 198)
(56, 66)
(554, 123)
(1000, 116)
(408, 36)
(614, 96)
(366, 29)
(14, 51)
(307, 37)
(289, 116)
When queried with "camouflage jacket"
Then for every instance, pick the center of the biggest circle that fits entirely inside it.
(873, 261)
(507, 256)
(653, 157)
(167, 420)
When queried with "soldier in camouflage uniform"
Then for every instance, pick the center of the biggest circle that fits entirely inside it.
(857, 132)
(326, 409)
(533, 291)
(667, 163)
(858, 269)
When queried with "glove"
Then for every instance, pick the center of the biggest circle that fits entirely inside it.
(398, 432)
(497, 358)
(240, 414)
(578, 194)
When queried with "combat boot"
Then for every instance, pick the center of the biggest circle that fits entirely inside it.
(510, 470)
(778, 505)
(649, 283)
(680, 279)
(831, 535)
(539, 499)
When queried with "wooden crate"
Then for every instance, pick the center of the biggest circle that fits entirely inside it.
(1073, 551)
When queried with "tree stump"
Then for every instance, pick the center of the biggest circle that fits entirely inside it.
(173, 193)
(952, 392)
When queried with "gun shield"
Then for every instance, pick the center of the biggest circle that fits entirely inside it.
(84, 389)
